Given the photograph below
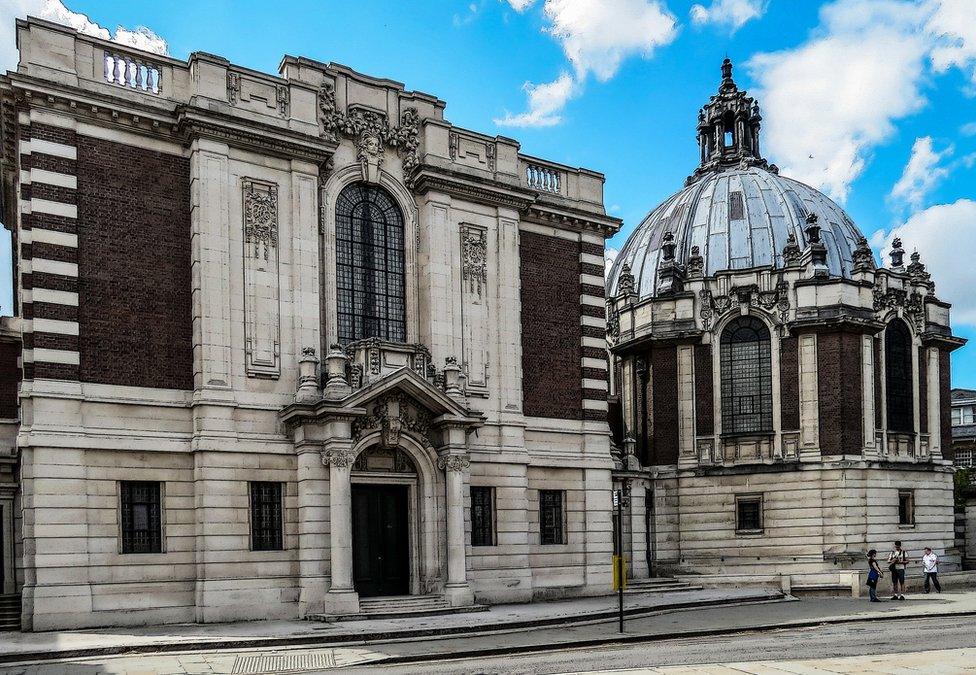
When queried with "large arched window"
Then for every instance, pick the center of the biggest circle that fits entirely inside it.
(369, 265)
(747, 381)
(898, 377)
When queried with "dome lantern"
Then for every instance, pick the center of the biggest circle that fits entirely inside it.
(728, 128)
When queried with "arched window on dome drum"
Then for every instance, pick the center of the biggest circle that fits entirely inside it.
(370, 279)
(747, 379)
(898, 377)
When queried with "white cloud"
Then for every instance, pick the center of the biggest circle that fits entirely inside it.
(596, 36)
(954, 24)
(732, 14)
(922, 173)
(942, 234)
(968, 129)
(830, 101)
(55, 10)
(546, 100)
(609, 256)
(520, 5)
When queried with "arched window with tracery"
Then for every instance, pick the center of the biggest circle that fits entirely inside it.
(370, 281)
(747, 379)
(898, 377)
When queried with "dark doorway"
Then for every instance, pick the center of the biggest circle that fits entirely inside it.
(650, 531)
(380, 544)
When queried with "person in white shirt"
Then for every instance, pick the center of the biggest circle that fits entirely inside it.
(930, 565)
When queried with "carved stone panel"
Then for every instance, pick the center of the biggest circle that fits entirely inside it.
(474, 306)
(262, 337)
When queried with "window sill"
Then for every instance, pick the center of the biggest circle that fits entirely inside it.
(748, 434)
(749, 533)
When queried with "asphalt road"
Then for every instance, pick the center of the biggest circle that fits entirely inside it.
(812, 643)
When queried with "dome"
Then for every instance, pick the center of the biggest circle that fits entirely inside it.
(738, 219)
(736, 209)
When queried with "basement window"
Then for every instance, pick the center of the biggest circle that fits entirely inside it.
(748, 514)
(906, 508)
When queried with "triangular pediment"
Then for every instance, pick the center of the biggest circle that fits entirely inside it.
(425, 395)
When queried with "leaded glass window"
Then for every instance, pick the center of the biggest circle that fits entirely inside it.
(140, 511)
(482, 516)
(898, 377)
(551, 517)
(266, 525)
(370, 280)
(747, 380)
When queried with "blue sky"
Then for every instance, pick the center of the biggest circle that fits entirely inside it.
(872, 101)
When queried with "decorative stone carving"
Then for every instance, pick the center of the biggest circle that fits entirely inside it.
(625, 282)
(863, 257)
(260, 216)
(338, 458)
(913, 304)
(453, 463)
(705, 311)
(897, 255)
(696, 264)
(392, 415)
(261, 283)
(372, 132)
(233, 87)
(791, 251)
(308, 388)
(474, 256)
(283, 99)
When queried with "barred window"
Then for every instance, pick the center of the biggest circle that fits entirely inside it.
(266, 525)
(748, 514)
(747, 380)
(141, 524)
(964, 457)
(551, 517)
(370, 280)
(482, 516)
(898, 377)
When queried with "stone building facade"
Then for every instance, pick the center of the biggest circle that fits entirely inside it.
(287, 343)
(781, 403)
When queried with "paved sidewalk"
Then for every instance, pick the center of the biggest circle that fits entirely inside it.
(258, 634)
(935, 661)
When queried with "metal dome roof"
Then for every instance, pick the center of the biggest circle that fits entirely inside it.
(738, 218)
(735, 208)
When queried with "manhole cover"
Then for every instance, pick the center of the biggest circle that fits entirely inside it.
(285, 663)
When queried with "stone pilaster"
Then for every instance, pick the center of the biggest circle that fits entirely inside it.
(342, 597)
(455, 465)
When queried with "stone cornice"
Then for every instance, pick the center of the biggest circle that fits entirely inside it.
(573, 219)
(264, 138)
(429, 179)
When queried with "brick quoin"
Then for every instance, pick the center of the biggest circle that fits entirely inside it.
(134, 266)
(9, 379)
(551, 334)
(839, 393)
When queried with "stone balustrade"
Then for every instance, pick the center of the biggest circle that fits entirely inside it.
(133, 72)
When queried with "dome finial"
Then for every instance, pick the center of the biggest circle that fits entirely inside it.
(727, 70)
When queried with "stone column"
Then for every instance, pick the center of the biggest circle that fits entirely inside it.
(342, 598)
(454, 463)
(313, 536)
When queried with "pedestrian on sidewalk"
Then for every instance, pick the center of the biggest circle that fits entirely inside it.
(930, 565)
(874, 573)
(897, 562)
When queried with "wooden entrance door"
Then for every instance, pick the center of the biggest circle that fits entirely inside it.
(380, 542)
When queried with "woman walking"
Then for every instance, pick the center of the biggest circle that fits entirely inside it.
(874, 573)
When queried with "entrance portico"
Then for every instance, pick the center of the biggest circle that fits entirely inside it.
(393, 464)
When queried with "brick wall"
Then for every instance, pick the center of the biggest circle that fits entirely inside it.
(839, 394)
(789, 383)
(551, 333)
(664, 409)
(9, 380)
(923, 390)
(704, 391)
(879, 410)
(134, 266)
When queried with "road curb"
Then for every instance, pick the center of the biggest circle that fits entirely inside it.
(637, 639)
(326, 640)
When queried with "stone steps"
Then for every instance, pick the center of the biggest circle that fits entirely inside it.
(659, 585)
(400, 606)
(9, 612)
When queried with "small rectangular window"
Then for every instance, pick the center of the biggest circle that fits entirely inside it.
(748, 514)
(140, 511)
(482, 516)
(906, 508)
(963, 457)
(737, 210)
(551, 517)
(266, 525)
